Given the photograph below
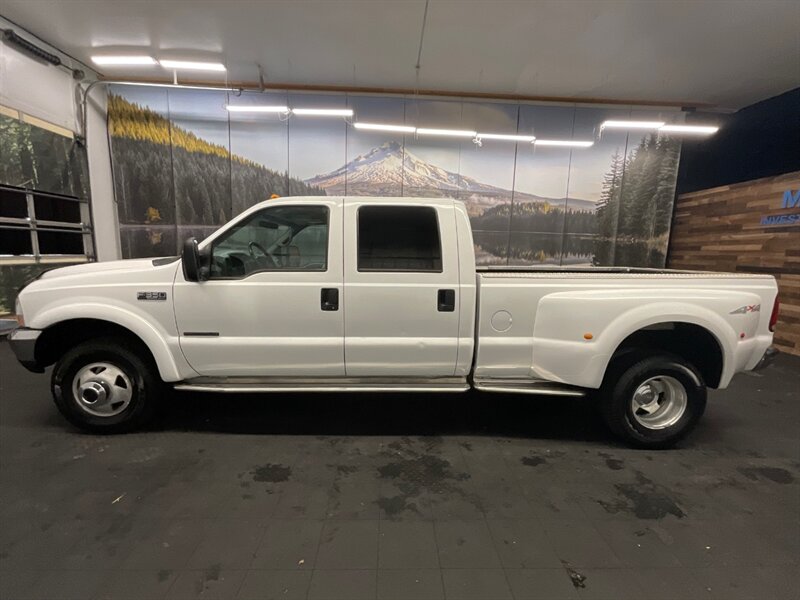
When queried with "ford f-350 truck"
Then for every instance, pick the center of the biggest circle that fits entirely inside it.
(382, 294)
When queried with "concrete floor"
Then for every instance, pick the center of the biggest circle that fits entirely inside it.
(387, 496)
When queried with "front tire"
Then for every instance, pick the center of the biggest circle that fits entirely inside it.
(653, 402)
(106, 385)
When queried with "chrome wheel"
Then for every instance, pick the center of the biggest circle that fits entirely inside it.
(659, 402)
(102, 389)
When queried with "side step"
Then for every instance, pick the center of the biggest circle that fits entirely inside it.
(352, 384)
(528, 386)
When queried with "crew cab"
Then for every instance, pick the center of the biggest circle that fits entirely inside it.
(361, 294)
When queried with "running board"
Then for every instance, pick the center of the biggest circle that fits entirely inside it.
(352, 384)
(528, 386)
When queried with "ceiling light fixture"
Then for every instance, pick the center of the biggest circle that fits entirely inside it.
(323, 112)
(255, 108)
(690, 129)
(632, 124)
(382, 127)
(449, 132)
(503, 136)
(124, 61)
(566, 143)
(187, 65)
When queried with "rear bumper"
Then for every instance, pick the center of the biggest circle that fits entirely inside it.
(23, 343)
(766, 360)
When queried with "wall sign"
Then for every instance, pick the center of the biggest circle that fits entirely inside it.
(791, 199)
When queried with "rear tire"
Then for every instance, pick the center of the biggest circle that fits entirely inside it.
(653, 402)
(106, 385)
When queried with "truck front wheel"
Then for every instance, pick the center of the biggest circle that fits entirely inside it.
(106, 386)
(653, 402)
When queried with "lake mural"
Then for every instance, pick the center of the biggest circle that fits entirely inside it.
(183, 165)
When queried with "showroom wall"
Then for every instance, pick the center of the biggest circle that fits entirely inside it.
(749, 227)
(738, 207)
(183, 165)
(44, 157)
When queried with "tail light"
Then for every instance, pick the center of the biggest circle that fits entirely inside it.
(773, 319)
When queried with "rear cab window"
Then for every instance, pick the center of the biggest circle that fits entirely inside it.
(399, 239)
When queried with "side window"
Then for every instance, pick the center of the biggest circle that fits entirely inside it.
(399, 238)
(281, 238)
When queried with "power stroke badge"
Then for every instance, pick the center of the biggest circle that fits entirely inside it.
(157, 296)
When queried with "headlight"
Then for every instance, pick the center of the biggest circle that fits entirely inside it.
(18, 312)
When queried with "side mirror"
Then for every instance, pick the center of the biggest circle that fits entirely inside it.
(192, 268)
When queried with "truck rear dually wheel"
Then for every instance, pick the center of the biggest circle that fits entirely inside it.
(653, 402)
(106, 385)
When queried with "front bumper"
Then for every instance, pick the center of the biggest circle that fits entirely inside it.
(23, 343)
(766, 360)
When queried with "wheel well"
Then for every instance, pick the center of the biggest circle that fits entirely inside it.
(691, 342)
(54, 341)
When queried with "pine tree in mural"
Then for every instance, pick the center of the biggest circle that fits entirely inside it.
(636, 205)
(188, 180)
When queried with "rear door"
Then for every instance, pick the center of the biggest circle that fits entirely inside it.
(401, 288)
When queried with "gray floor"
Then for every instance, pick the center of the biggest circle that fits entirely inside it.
(383, 496)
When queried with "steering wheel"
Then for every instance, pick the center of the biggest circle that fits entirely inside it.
(260, 248)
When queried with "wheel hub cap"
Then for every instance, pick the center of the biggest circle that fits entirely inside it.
(102, 389)
(659, 402)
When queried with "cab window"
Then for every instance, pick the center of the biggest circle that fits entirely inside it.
(399, 238)
(280, 238)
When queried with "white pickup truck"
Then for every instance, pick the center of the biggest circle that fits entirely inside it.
(382, 294)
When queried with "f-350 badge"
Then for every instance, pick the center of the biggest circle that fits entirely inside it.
(151, 296)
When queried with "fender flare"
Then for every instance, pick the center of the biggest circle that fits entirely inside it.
(639, 318)
(154, 339)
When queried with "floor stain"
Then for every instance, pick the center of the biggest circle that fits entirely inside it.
(774, 474)
(163, 575)
(645, 499)
(425, 470)
(396, 505)
(615, 464)
(578, 579)
(270, 473)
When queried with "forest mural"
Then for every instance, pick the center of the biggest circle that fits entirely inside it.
(40, 159)
(183, 165)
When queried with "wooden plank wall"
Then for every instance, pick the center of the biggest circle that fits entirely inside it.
(720, 229)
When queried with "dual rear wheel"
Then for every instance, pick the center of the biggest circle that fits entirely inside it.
(110, 385)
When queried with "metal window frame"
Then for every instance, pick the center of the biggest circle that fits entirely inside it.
(33, 225)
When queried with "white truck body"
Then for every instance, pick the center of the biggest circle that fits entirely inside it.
(551, 330)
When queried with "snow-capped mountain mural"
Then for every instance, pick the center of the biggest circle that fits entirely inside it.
(381, 170)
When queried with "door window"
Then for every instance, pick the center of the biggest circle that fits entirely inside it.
(280, 238)
(399, 238)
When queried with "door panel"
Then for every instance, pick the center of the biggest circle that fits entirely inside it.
(393, 322)
(270, 322)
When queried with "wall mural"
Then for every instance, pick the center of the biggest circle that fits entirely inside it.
(184, 165)
(36, 158)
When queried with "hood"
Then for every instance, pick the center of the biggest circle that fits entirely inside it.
(134, 264)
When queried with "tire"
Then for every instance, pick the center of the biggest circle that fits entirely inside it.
(121, 377)
(652, 401)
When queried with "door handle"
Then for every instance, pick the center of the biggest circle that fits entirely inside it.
(329, 299)
(447, 300)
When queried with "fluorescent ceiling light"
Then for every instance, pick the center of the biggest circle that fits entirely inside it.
(450, 132)
(503, 136)
(382, 127)
(123, 60)
(693, 129)
(568, 143)
(324, 112)
(632, 124)
(256, 108)
(188, 65)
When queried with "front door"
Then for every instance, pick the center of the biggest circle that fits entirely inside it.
(271, 305)
(401, 287)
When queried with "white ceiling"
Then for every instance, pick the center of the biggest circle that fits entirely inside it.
(720, 53)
